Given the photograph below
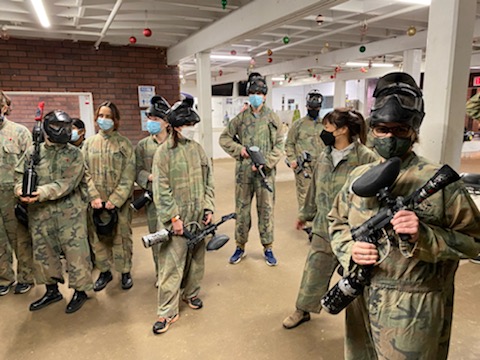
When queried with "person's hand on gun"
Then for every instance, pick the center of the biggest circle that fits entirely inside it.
(294, 164)
(254, 168)
(29, 199)
(299, 225)
(109, 205)
(207, 218)
(96, 203)
(178, 227)
(244, 153)
(406, 222)
(150, 178)
(364, 253)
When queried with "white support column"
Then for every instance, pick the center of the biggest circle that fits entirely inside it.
(204, 90)
(268, 100)
(449, 47)
(339, 93)
(412, 63)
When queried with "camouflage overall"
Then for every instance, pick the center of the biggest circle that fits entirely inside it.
(182, 185)
(265, 131)
(110, 174)
(406, 312)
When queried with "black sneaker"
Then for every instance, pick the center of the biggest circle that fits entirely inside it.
(195, 303)
(103, 279)
(4, 289)
(127, 281)
(162, 324)
(22, 288)
(475, 260)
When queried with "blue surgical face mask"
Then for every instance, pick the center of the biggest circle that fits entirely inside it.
(154, 127)
(74, 136)
(105, 124)
(255, 100)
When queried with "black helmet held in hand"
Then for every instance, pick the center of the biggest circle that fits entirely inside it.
(105, 227)
(314, 99)
(397, 99)
(181, 114)
(57, 125)
(159, 107)
(256, 83)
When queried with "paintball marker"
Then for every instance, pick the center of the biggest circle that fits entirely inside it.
(215, 243)
(142, 200)
(30, 176)
(258, 161)
(302, 162)
(377, 182)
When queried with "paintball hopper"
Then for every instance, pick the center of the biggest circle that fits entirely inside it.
(377, 178)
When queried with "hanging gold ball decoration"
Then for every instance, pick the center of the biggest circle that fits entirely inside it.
(411, 31)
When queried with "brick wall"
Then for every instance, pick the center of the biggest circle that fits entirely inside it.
(110, 73)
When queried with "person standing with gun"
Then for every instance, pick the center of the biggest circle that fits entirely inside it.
(406, 309)
(15, 140)
(158, 127)
(304, 136)
(57, 214)
(183, 193)
(257, 126)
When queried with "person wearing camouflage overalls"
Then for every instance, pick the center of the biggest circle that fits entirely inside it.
(57, 214)
(257, 126)
(183, 193)
(406, 311)
(344, 129)
(158, 127)
(15, 139)
(110, 174)
(304, 135)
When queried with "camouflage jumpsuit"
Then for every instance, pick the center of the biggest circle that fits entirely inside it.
(406, 312)
(182, 185)
(144, 152)
(57, 221)
(14, 237)
(304, 135)
(110, 174)
(265, 131)
(326, 183)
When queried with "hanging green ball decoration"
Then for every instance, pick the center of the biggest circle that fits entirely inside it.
(362, 49)
(224, 4)
(286, 39)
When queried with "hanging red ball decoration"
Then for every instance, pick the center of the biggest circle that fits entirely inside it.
(269, 60)
(233, 52)
(132, 40)
(269, 52)
(147, 32)
(220, 72)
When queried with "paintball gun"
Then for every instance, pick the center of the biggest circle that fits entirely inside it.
(215, 243)
(377, 182)
(259, 161)
(302, 163)
(30, 178)
(142, 200)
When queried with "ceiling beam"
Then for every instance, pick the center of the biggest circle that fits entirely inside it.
(253, 18)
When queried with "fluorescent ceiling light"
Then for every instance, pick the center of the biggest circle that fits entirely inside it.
(278, 78)
(41, 13)
(366, 64)
(230, 57)
(416, 2)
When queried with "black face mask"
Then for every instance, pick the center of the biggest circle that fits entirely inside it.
(327, 137)
(313, 113)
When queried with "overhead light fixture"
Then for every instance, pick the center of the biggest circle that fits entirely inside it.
(366, 64)
(41, 13)
(230, 57)
(278, 78)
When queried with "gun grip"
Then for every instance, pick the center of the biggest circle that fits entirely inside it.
(405, 237)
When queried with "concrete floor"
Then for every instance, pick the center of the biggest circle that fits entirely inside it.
(244, 304)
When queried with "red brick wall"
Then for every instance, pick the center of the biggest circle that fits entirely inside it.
(110, 73)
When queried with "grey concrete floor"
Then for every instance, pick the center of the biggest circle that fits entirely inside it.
(244, 304)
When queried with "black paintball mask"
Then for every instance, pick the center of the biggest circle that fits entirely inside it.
(159, 107)
(314, 102)
(105, 220)
(57, 125)
(182, 113)
(256, 83)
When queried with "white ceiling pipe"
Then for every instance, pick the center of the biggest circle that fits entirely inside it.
(109, 22)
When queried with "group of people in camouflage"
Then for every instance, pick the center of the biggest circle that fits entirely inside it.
(404, 312)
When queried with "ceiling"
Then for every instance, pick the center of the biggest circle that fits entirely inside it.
(254, 28)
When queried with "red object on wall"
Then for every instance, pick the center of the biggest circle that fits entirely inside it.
(132, 40)
(476, 81)
(147, 32)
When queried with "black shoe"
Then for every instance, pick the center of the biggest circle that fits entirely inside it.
(195, 303)
(51, 296)
(102, 281)
(5, 289)
(78, 299)
(21, 288)
(127, 281)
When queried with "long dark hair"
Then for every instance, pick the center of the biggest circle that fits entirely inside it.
(115, 113)
(352, 119)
